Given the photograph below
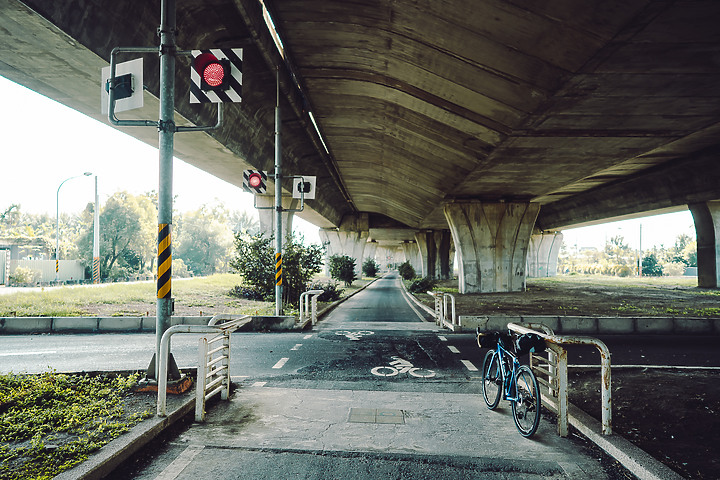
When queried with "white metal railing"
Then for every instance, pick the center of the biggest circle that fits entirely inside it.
(311, 296)
(441, 310)
(556, 372)
(213, 371)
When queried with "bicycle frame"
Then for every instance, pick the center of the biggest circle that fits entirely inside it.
(508, 378)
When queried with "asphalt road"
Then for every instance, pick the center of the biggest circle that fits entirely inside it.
(376, 345)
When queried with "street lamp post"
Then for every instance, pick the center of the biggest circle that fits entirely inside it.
(57, 224)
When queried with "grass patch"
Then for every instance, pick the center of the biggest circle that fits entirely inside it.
(52, 422)
(75, 301)
(613, 281)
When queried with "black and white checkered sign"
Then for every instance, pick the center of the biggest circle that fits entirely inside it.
(233, 94)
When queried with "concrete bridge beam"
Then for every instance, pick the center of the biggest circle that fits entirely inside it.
(707, 230)
(492, 242)
(543, 254)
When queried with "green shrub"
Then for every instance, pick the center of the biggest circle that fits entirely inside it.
(255, 261)
(342, 267)
(331, 291)
(422, 285)
(246, 292)
(23, 275)
(370, 267)
(407, 272)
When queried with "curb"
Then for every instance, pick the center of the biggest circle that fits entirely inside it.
(640, 463)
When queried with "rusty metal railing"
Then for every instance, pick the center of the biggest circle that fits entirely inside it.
(213, 369)
(556, 372)
(311, 296)
(442, 310)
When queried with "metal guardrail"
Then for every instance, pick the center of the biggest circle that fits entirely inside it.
(556, 372)
(213, 369)
(441, 310)
(311, 296)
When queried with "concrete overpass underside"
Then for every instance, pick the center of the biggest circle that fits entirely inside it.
(492, 120)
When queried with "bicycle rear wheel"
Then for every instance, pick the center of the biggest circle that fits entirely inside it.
(526, 409)
(491, 379)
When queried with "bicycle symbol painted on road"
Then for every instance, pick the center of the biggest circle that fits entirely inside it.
(400, 365)
(354, 335)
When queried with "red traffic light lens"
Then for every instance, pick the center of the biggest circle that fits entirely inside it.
(214, 74)
(255, 180)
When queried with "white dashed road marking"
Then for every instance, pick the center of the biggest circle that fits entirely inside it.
(468, 364)
(453, 349)
(296, 347)
(178, 465)
(442, 338)
(281, 363)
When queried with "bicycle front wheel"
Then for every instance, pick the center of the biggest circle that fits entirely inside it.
(491, 379)
(526, 408)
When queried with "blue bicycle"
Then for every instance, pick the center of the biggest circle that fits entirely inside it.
(503, 374)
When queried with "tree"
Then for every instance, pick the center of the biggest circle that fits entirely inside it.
(617, 250)
(407, 272)
(342, 267)
(370, 267)
(651, 267)
(255, 261)
(204, 240)
(128, 235)
(243, 222)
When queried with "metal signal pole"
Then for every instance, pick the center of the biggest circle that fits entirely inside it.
(278, 205)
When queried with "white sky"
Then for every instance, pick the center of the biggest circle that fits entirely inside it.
(43, 143)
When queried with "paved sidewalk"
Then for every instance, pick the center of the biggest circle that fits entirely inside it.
(265, 432)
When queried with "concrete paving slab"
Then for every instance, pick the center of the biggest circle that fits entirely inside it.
(435, 424)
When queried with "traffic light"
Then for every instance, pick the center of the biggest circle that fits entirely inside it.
(255, 181)
(214, 73)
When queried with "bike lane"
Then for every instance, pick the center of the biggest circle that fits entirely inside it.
(372, 392)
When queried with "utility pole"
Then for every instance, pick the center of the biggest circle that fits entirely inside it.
(278, 204)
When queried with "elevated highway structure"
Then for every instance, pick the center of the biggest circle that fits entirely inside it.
(435, 126)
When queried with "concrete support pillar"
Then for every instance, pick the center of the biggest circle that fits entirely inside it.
(707, 230)
(267, 215)
(350, 239)
(492, 242)
(371, 250)
(411, 254)
(428, 252)
(443, 247)
(543, 254)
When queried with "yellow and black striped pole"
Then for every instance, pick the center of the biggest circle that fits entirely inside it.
(164, 278)
(278, 269)
(96, 270)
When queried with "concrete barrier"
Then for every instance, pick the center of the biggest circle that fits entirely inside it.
(144, 324)
(577, 325)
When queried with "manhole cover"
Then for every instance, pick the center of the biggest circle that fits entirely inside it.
(375, 415)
